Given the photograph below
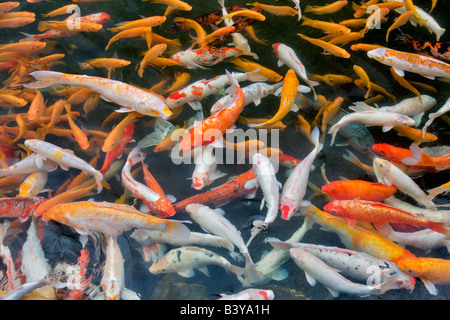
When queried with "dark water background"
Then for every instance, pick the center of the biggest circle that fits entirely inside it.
(241, 212)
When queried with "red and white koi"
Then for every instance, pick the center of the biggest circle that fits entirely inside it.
(184, 259)
(294, 189)
(12, 275)
(19, 207)
(387, 120)
(249, 294)
(351, 263)
(317, 270)
(201, 89)
(64, 158)
(129, 97)
(33, 184)
(205, 57)
(153, 200)
(287, 55)
(252, 93)
(392, 175)
(205, 171)
(412, 107)
(412, 62)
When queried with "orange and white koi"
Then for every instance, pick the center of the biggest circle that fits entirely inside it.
(33, 184)
(411, 62)
(205, 57)
(287, 55)
(110, 218)
(218, 123)
(129, 97)
(153, 200)
(12, 275)
(64, 158)
(294, 189)
(205, 171)
(378, 213)
(113, 277)
(392, 175)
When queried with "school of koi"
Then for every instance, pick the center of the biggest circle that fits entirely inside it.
(391, 229)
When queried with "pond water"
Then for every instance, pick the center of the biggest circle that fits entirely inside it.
(62, 243)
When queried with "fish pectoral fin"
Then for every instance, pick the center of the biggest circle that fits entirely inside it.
(263, 201)
(280, 63)
(64, 167)
(351, 223)
(216, 175)
(39, 161)
(387, 128)
(257, 101)
(187, 273)
(251, 184)
(280, 274)
(399, 71)
(334, 293)
(124, 110)
(204, 270)
(310, 279)
(196, 105)
(428, 77)
(429, 286)
(294, 107)
(303, 89)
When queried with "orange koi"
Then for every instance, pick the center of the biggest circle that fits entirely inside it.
(37, 106)
(358, 238)
(218, 122)
(175, 4)
(144, 22)
(144, 32)
(64, 26)
(435, 270)
(117, 151)
(359, 189)
(415, 134)
(110, 64)
(331, 48)
(78, 133)
(328, 27)
(150, 55)
(244, 184)
(246, 65)
(275, 10)
(379, 213)
(327, 9)
(111, 218)
(115, 135)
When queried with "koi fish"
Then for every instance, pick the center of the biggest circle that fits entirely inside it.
(250, 294)
(28, 165)
(33, 184)
(246, 65)
(183, 260)
(19, 207)
(117, 151)
(392, 175)
(351, 263)
(430, 270)
(327, 9)
(411, 62)
(359, 189)
(286, 55)
(129, 97)
(317, 270)
(218, 122)
(378, 213)
(358, 238)
(113, 278)
(400, 21)
(110, 64)
(244, 184)
(153, 200)
(420, 158)
(205, 171)
(175, 4)
(110, 218)
(387, 120)
(294, 188)
(144, 32)
(152, 21)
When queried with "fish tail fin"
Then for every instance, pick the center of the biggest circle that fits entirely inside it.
(237, 270)
(439, 227)
(333, 131)
(28, 37)
(234, 84)
(42, 26)
(315, 137)
(162, 129)
(45, 79)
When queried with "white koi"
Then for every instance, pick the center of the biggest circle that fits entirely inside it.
(252, 93)
(249, 294)
(205, 171)
(147, 237)
(287, 56)
(28, 165)
(18, 292)
(317, 270)
(129, 97)
(63, 157)
(390, 174)
(294, 189)
(387, 120)
(265, 174)
(184, 259)
(412, 107)
(354, 264)
(201, 89)
(412, 62)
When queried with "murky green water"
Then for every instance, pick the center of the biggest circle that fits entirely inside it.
(173, 178)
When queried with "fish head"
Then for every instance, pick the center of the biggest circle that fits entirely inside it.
(332, 207)
(103, 17)
(377, 54)
(412, 266)
(383, 166)
(381, 148)
(276, 47)
(199, 180)
(32, 144)
(192, 208)
(405, 120)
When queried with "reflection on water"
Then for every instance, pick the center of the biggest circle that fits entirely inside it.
(61, 243)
